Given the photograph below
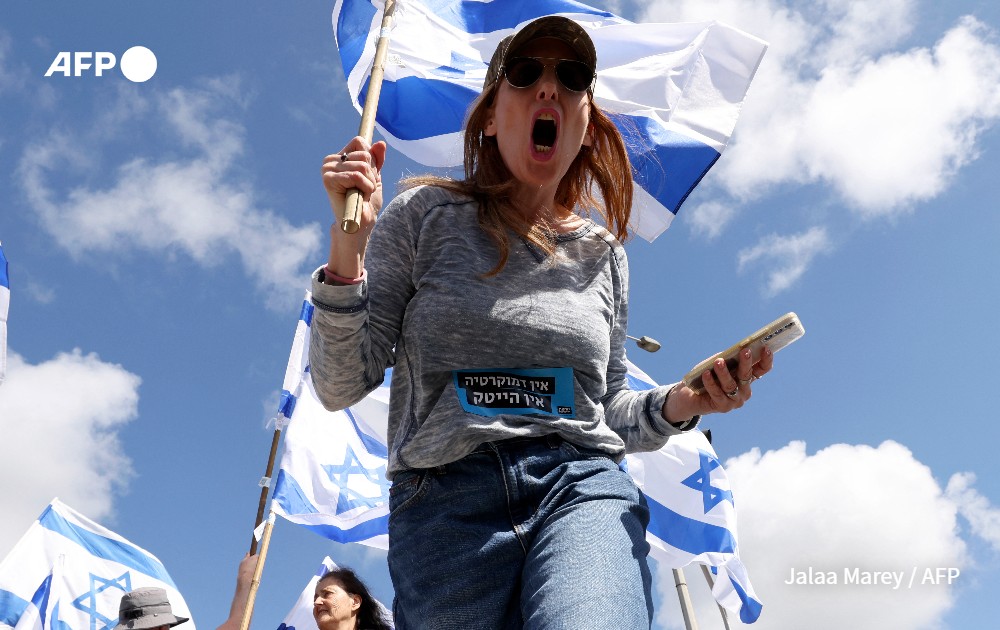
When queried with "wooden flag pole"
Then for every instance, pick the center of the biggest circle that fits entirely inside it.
(265, 486)
(352, 212)
(265, 541)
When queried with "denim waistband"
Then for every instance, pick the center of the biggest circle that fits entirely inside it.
(551, 440)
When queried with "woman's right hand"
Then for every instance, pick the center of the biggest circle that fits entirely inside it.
(358, 165)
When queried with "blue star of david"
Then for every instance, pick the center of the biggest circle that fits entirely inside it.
(88, 601)
(349, 498)
(701, 481)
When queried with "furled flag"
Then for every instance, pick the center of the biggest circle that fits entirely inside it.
(39, 609)
(300, 617)
(674, 90)
(4, 307)
(692, 516)
(69, 572)
(332, 480)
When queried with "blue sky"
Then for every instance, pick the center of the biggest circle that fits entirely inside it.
(160, 234)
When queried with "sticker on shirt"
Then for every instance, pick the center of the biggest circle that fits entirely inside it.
(534, 391)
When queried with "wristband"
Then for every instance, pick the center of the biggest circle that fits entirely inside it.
(329, 275)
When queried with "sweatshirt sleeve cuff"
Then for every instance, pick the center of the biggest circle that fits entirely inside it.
(342, 298)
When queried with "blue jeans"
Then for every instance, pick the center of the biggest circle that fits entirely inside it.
(524, 533)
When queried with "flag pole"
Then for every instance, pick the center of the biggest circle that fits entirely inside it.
(265, 542)
(265, 484)
(352, 211)
(687, 608)
(711, 583)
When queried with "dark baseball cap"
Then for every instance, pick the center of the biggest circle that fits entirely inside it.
(554, 26)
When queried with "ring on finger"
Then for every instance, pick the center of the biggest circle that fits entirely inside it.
(343, 157)
(746, 381)
(733, 393)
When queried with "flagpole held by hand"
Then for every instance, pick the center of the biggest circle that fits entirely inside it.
(352, 211)
(258, 570)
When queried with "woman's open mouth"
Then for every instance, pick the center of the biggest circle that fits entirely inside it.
(543, 134)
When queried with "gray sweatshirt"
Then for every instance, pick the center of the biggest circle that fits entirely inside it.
(535, 350)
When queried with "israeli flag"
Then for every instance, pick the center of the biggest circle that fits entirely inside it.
(4, 308)
(692, 513)
(332, 480)
(300, 617)
(68, 572)
(332, 474)
(674, 90)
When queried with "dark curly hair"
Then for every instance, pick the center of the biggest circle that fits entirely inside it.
(370, 615)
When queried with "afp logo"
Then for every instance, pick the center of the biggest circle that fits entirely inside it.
(138, 64)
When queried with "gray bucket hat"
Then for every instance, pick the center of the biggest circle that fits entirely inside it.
(554, 26)
(146, 608)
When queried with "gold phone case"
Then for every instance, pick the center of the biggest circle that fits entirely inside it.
(775, 335)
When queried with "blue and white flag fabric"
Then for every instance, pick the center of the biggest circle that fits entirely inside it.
(332, 480)
(332, 473)
(4, 308)
(43, 609)
(692, 512)
(67, 572)
(674, 90)
(300, 617)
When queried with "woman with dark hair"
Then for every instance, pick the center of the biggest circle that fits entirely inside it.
(342, 602)
(503, 308)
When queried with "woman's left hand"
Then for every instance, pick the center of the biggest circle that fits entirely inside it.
(723, 391)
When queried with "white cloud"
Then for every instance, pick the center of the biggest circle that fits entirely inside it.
(884, 128)
(791, 255)
(197, 206)
(846, 507)
(38, 292)
(983, 518)
(845, 27)
(15, 79)
(59, 423)
(709, 218)
(10, 79)
(893, 131)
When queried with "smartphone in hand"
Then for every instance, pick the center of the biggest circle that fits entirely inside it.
(775, 336)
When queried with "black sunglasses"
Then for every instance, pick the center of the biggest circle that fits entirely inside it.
(575, 76)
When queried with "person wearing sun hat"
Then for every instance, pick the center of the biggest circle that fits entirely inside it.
(146, 608)
(502, 309)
